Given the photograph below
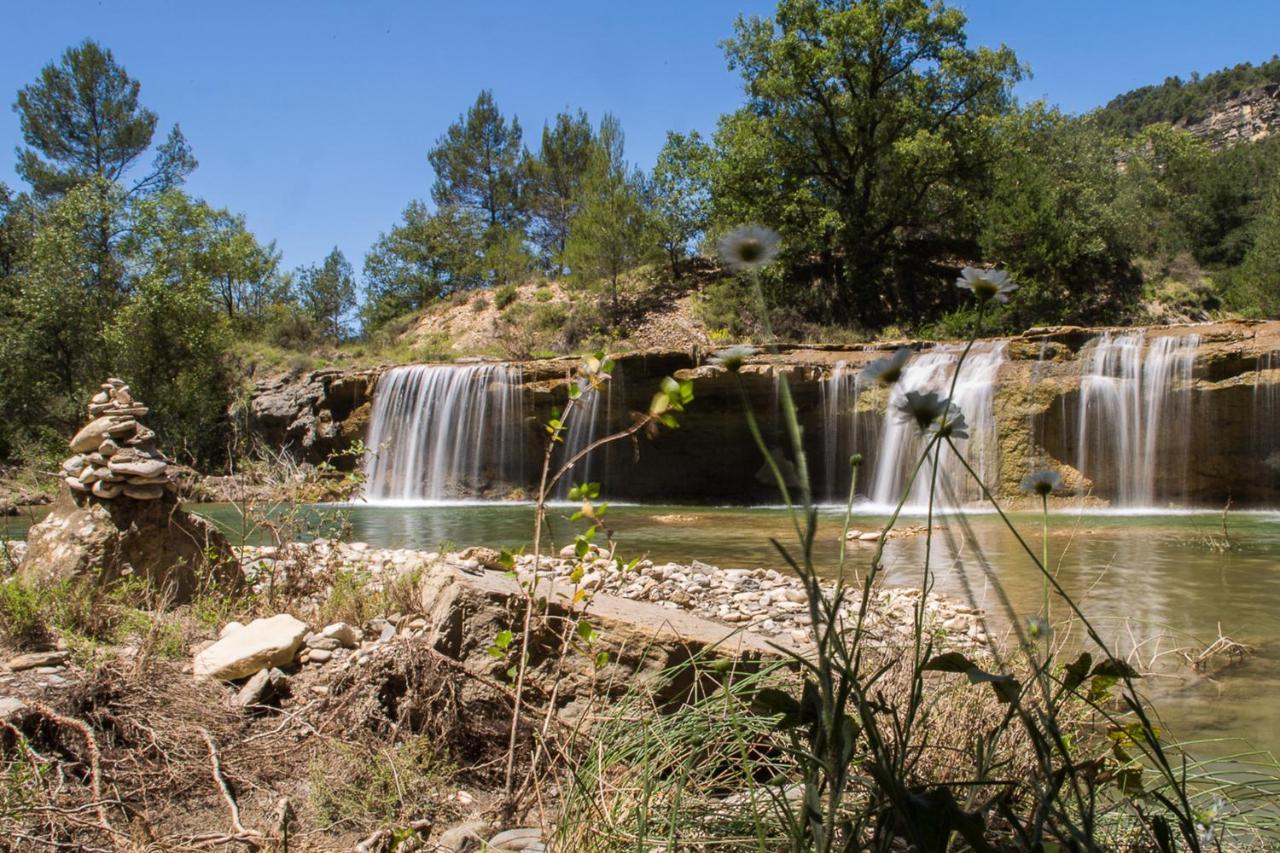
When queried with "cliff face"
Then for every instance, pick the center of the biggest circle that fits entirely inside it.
(1248, 117)
(1214, 446)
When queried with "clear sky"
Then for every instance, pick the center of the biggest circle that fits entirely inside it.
(314, 118)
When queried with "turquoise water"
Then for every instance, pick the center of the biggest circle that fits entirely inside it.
(1150, 583)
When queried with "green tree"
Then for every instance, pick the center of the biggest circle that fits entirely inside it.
(51, 340)
(1160, 192)
(612, 231)
(425, 256)
(554, 181)
(328, 292)
(478, 170)
(1051, 217)
(1256, 289)
(82, 121)
(681, 188)
(171, 338)
(865, 131)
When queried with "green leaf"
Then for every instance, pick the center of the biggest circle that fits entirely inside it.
(503, 640)
(586, 632)
(602, 659)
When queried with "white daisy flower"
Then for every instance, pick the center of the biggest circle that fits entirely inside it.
(986, 284)
(748, 247)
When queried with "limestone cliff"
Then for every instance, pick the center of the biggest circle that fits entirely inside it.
(1228, 441)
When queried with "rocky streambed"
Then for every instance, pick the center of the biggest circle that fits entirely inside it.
(761, 602)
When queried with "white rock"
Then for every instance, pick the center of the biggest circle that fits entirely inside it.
(229, 629)
(260, 644)
(138, 467)
(343, 633)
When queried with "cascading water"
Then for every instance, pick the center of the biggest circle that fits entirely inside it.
(900, 443)
(584, 427)
(839, 392)
(1134, 401)
(1265, 443)
(444, 432)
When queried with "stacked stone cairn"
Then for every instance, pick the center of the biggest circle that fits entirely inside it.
(115, 455)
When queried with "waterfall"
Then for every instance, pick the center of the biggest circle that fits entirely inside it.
(1266, 411)
(900, 444)
(444, 432)
(839, 392)
(584, 427)
(1134, 403)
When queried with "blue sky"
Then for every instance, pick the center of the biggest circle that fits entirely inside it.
(314, 119)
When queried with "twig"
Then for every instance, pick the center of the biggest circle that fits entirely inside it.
(240, 832)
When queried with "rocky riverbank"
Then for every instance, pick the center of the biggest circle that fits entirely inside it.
(760, 602)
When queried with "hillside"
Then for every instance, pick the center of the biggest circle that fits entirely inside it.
(545, 317)
(1234, 104)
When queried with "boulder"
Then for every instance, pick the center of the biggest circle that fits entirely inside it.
(105, 540)
(260, 644)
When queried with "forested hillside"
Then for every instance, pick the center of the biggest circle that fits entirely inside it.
(1184, 101)
(884, 148)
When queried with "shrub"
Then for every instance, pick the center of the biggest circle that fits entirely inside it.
(21, 621)
(372, 786)
(504, 296)
(479, 304)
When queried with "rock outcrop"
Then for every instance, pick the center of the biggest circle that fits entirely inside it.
(1248, 117)
(712, 457)
(117, 514)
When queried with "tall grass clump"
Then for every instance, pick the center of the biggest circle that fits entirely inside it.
(872, 744)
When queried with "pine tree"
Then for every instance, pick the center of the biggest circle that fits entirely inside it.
(83, 121)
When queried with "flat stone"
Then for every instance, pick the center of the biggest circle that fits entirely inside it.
(320, 655)
(317, 641)
(34, 660)
(74, 465)
(99, 430)
(108, 448)
(262, 643)
(143, 493)
(139, 468)
(103, 489)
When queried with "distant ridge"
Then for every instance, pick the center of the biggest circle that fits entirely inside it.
(1228, 106)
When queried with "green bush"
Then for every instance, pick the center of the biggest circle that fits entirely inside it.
(504, 296)
(21, 621)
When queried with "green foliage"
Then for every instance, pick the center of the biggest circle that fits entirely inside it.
(1256, 285)
(22, 624)
(1187, 101)
(478, 171)
(554, 182)
(83, 116)
(812, 155)
(424, 257)
(371, 786)
(681, 189)
(612, 231)
(1053, 215)
(504, 296)
(328, 292)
